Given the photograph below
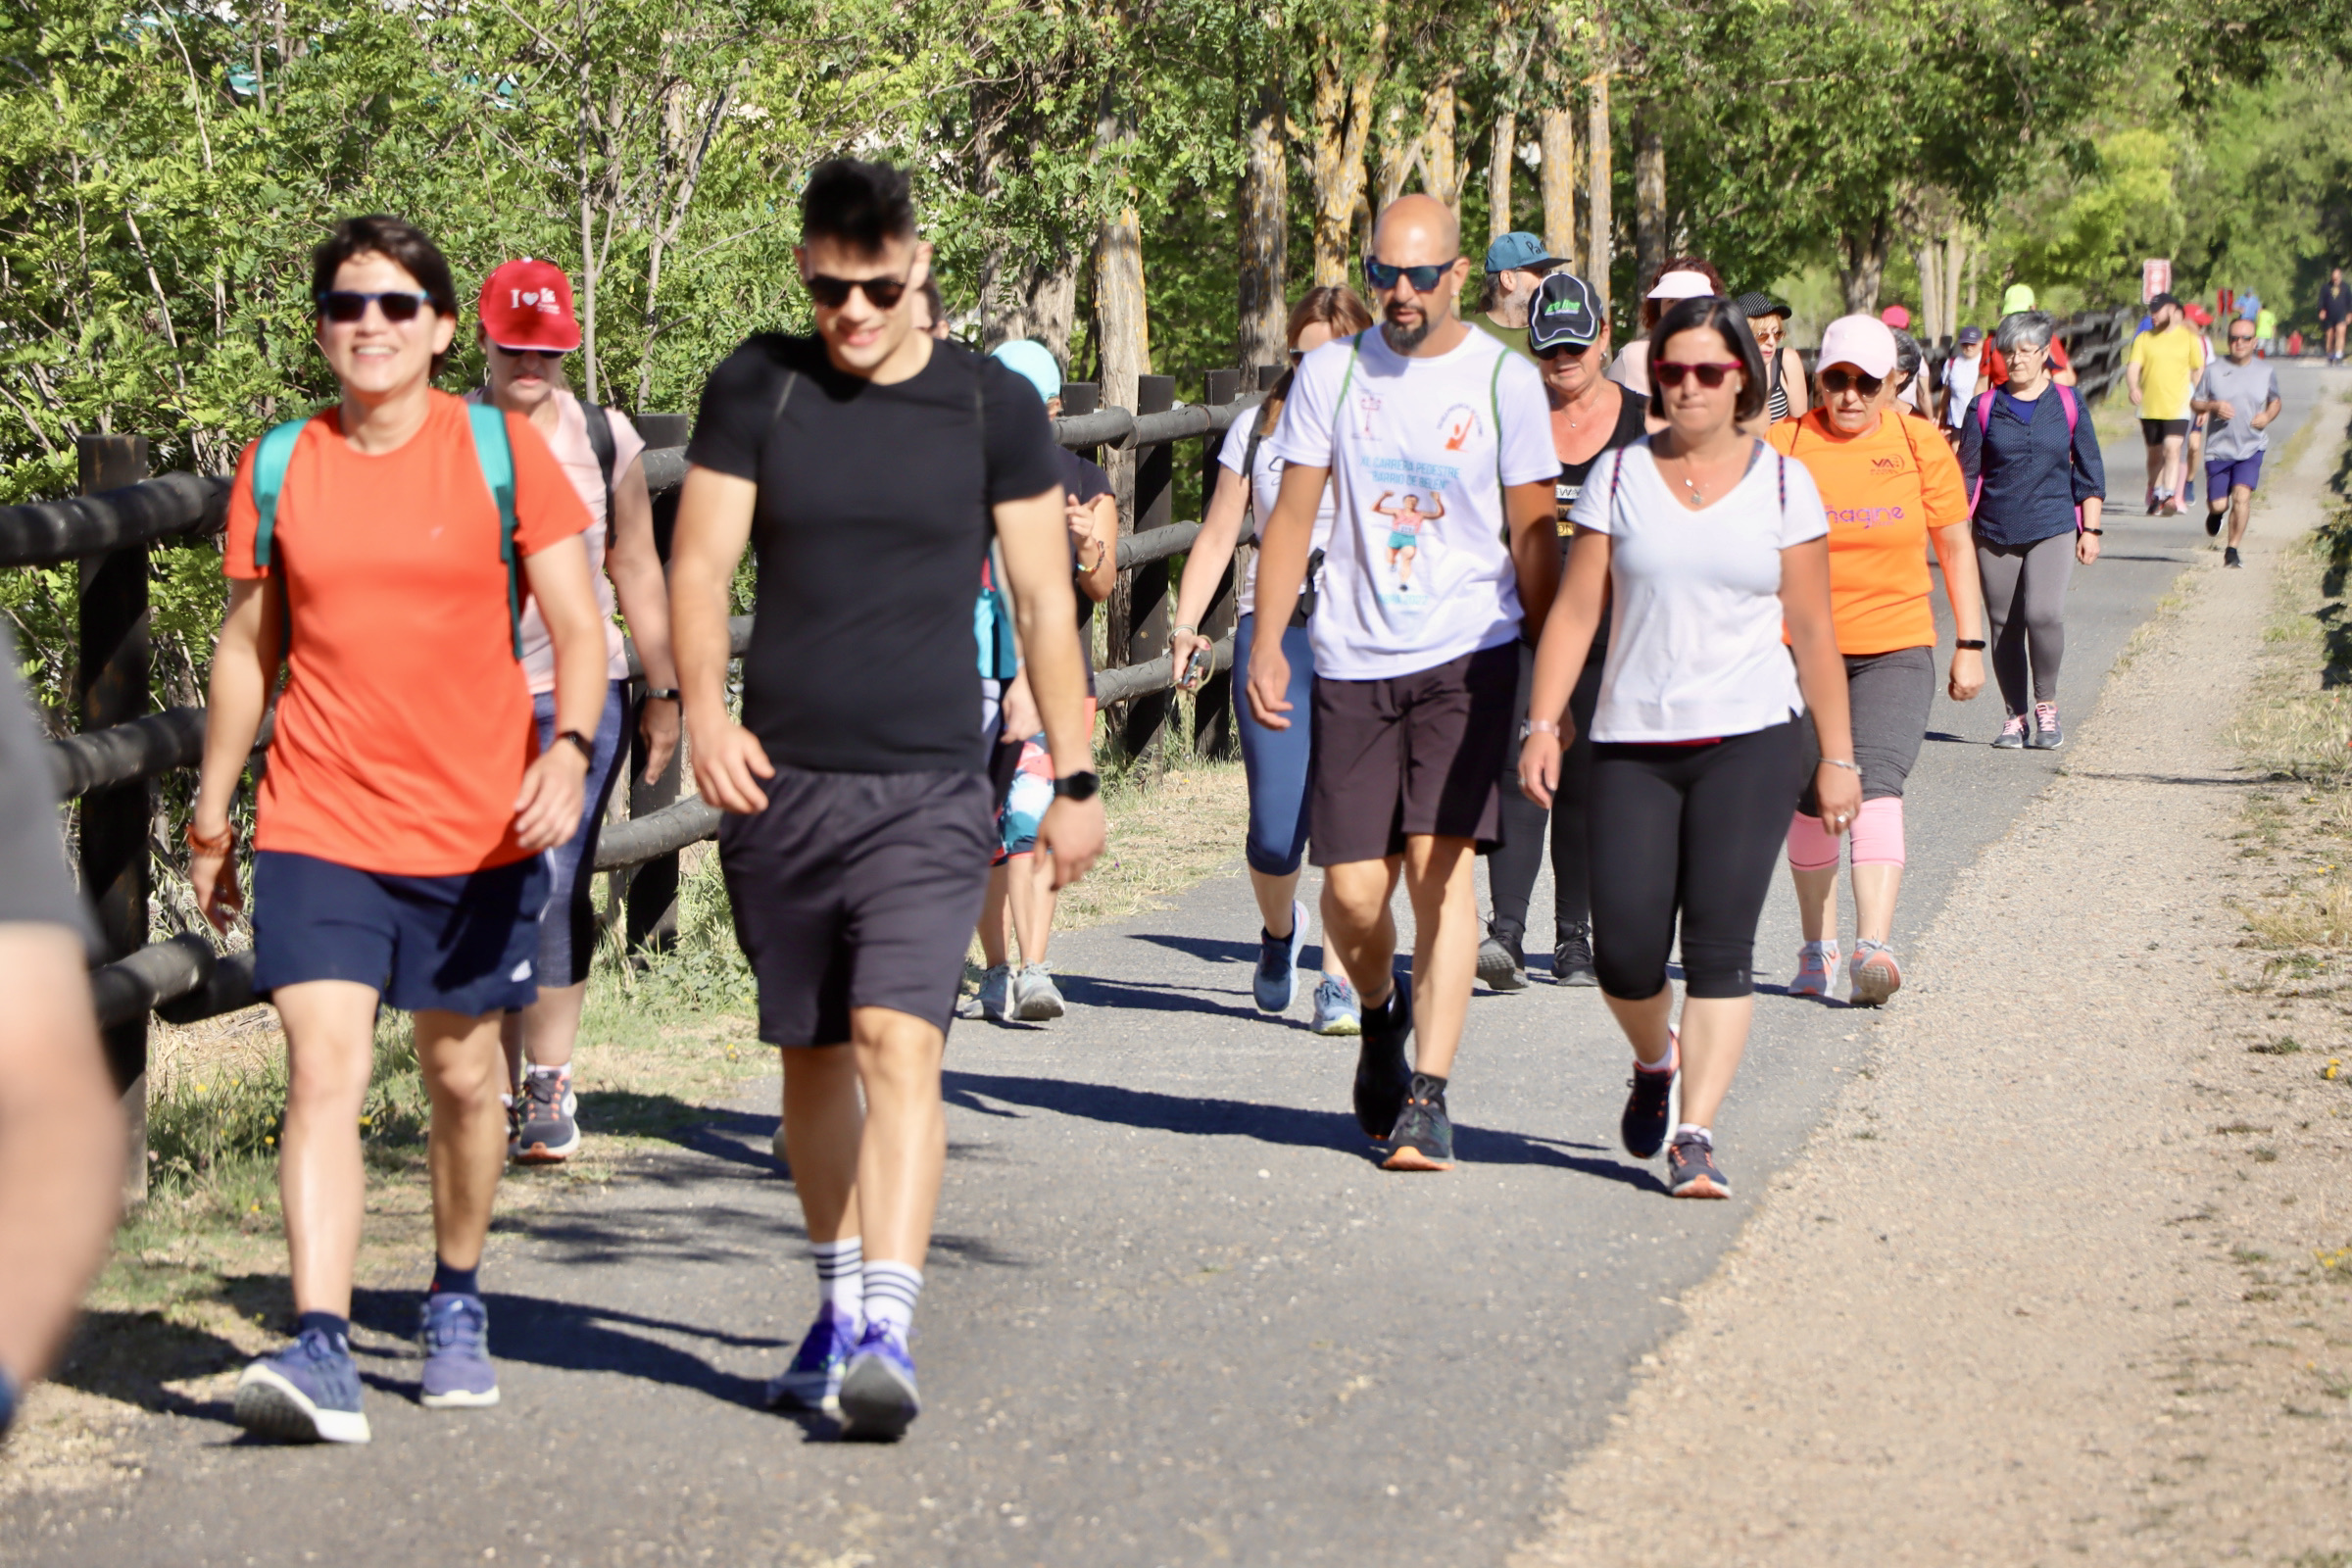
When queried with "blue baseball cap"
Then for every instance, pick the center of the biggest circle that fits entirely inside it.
(1033, 362)
(1517, 249)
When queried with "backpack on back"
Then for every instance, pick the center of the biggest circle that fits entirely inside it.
(2074, 417)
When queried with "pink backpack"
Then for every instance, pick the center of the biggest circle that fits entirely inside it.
(2074, 417)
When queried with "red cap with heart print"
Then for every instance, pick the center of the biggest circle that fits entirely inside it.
(527, 305)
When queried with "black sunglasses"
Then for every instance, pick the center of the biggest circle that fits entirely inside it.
(1383, 278)
(1575, 351)
(2242, 337)
(346, 305)
(883, 293)
(1709, 374)
(1834, 379)
(518, 354)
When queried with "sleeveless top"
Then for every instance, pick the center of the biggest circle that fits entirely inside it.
(1632, 412)
(1775, 401)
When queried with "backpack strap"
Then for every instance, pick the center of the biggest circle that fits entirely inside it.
(270, 458)
(1258, 433)
(494, 450)
(599, 442)
(1975, 491)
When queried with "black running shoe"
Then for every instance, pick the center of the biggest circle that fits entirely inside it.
(1647, 1116)
(2213, 523)
(1692, 1172)
(1501, 961)
(1572, 959)
(1424, 1135)
(2229, 556)
(1381, 1077)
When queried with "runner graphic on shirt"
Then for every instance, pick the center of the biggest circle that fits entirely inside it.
(1406, 519)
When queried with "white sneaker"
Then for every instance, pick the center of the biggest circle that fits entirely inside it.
(1816, 967)
(1034, 996)
(996, 993)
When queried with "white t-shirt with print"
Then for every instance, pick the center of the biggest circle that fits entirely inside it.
(1418, 568)
(1694, 640)
(1264, 485)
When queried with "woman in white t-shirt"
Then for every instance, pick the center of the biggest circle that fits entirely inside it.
(1703, 542)
(527, 327)
(1276, 762)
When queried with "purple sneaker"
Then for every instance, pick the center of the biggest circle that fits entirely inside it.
(814, 1380)
(878, 1402)
(307, 1393)
(455, 1333)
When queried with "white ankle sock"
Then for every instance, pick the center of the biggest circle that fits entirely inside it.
(1693, 1130)
(891, 1290)
(841, 1273)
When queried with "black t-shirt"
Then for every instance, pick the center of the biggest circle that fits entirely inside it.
(1084, 480)
(871, 525)
(1633, 410)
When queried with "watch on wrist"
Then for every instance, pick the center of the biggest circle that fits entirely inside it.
(1077, 787)
(581, 743)
(661, 694)
(1971, 645)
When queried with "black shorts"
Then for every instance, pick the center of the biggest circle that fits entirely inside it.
(2155, 431)
(1419, 754)
(858, 889)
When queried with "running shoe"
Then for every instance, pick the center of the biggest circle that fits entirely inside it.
(2229, 556)
(1692, 1172)
(1034, 997)
(2148, 505)
(996, 993)
(1337, 1009)
(1501, 961)
(2213, 523)
(454, 1329)
(2188, 493)
(2048, 733)
(1816, 966)
(1423, 1138)
(2012, 737)
(1276, 983)
(307, 1393)
(1648, 1109)
(814, 1380)
(1572, 958)
(1381, 1077)
(548, 1130)
(1876, 975)
(877, 1397)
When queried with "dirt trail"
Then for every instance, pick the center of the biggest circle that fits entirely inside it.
(2055, 1278)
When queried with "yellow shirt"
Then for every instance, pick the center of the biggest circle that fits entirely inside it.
(2170, 363)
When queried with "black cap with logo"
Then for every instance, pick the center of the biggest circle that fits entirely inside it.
(1563, 310)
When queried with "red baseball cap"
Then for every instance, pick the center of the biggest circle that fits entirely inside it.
(1897, 317)
(2200, 315)
(527, 305)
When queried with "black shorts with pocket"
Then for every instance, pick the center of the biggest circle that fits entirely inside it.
(2156, 431)
(858, 889)
(1405, 755)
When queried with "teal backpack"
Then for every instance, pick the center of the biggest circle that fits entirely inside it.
(491, 449)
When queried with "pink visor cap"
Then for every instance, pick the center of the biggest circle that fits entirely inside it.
(1862, 341)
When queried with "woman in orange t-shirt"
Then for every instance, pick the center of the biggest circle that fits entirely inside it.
(1891, 485)
(398, 827)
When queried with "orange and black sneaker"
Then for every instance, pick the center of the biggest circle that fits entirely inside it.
(1690, 1169)
(1424, 1136)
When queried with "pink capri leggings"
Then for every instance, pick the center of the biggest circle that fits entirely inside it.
(1888, 696)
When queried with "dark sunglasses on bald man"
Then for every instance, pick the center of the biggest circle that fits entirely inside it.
(884, 293)
(1838, 378)
(1383, 278)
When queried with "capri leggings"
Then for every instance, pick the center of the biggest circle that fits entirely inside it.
(1279, 764)
(567, 926)
(2025, 594)
(1688, 835)
(1512, 865)
(1888, 696)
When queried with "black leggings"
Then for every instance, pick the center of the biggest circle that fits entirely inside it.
(1694, 832)
(1512, 864)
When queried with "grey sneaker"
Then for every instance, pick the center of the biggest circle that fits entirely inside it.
(455, 1333)
(1034, 997)
(1501, 961)
(2229, 556)
(2012, 737)
(546, 1129)
(1572, 958)
(1692, 1172)
(307, 1393)
(1876, 974)
(1423, 1138)
(996, 993)
(1275, 986)
(1337, 1009)
(2048, 733)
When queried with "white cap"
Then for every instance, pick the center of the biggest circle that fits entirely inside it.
(1683, 286)
(1862, 341)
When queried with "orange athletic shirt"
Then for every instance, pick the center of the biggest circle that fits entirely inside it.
(406, 721)
(1883, 491)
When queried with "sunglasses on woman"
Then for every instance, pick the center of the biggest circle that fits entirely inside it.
(1575, 351)
(883, 293)
(1383, 278)
(347, 306)
(1670, 372)
(1838, 380)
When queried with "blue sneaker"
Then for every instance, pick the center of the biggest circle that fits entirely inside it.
(1338, 1009)
(878, 1403)
(307, 1393)
(1276, 982)
(455, 1333)
(814, 1380)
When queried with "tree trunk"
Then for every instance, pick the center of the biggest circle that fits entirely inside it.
(1122, 336)
(1649, 193)
(1498, 174)
(1397, 150)
(1600, 245)
(1342, 108)
(1557, 133)
(1927, 256)
(1863, 267)
(1036, 299)
(1265, 232)
(1441, 167)
(1955, 262)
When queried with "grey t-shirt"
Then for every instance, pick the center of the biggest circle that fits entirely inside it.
(34, 884)
(2247, 388)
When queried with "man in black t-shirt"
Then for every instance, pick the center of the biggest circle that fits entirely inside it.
(857, 845)
(2336, 311)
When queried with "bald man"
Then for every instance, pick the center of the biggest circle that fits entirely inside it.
(1414, 633)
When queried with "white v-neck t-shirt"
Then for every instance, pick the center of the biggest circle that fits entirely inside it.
(1418, 568)
(1694, 635)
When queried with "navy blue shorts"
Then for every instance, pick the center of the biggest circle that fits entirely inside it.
(444, 943)
(2223, 477)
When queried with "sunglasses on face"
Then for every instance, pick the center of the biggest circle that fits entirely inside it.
(526, 354)
(1670, 372)
(883, 293)
(1836, 379)
(1575, 351)
(346, 305)
(1383, 278)
(2242, 337)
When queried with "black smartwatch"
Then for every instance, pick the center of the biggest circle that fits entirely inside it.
(1973, 644)
(586, 746)
(1077, 787)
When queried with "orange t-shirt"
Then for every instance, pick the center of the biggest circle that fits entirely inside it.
(1883, 491)
(406, 721)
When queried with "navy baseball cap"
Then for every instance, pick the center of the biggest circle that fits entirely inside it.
(1564, 311)
(1517, 249)
(1971, 335)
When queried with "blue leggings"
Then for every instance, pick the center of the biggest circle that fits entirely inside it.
(1279, 763)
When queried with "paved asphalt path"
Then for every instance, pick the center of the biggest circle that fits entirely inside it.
(1175, 1313)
